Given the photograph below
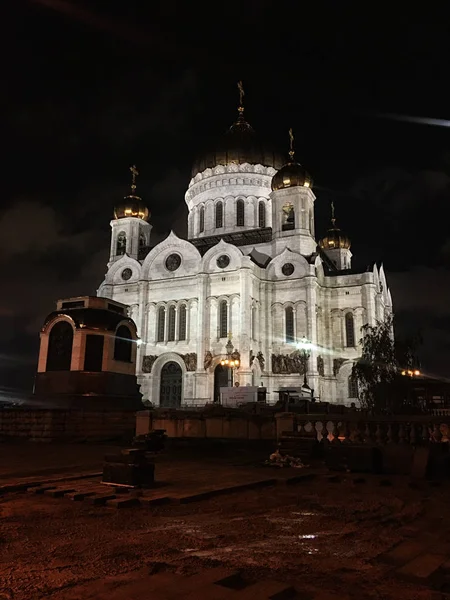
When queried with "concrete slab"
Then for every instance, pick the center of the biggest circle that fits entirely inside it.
(422, 567)
(265, 590)
(154, 501)
(58, 493)
(404, 552)
(100, 500)
(78, 496)
(122, 502)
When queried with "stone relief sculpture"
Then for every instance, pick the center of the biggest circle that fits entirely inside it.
(288, 363)
(320, 366)
(208, 360)
(251, 358)
(337, 364)
(148, 362)
(190, 360)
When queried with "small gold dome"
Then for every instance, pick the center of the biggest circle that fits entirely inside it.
(132, 206)
(291, 175)
(334, 239)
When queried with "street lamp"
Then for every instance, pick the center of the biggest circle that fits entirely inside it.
(229, 362)
(304, 347)
(409, 373)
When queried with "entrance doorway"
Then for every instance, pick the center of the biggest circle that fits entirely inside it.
(220, 380)
(171, 385)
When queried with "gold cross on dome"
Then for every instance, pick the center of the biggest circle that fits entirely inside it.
(241, 93)
(291, 143)
(134, 174)
(332, 213)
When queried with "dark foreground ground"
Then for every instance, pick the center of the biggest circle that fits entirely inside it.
(320, 537)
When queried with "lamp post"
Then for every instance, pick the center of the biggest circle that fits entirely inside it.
(411, 373)
(304, 347)
(229, 362)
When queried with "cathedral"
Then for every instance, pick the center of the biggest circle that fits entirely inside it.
(252, 296)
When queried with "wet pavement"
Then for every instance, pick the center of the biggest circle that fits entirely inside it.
(344, 536)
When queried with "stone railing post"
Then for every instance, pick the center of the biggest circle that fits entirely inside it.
(285, 422)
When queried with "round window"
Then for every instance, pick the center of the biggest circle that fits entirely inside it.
(126, 274)
(287, 269)
(223, 261)
(173, 261)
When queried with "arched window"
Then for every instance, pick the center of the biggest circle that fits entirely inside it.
(289, 315)
(161, 325)
(254, 323)
(182, 322)
(261, 214)
(201, 227)
(223, 319)
(240, 213)
(288, 217)
(311, 222)
(60, 342)
(171, 328)
(142, 241)
(219, 214)
(352, 387)
(123, 344)
(349, 331)
(121, 244)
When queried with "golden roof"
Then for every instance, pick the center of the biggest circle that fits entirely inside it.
(334, 237)
(292, 174)
(132, 205)
(239, 145)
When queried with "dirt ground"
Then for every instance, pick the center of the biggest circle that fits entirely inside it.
(325, 535)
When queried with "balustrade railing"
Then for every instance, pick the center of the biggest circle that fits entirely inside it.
(351, 428)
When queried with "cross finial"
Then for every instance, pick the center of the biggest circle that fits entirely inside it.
(333, 219)
(241, 100)
(291, 144)
(134, 174)
(241, 94)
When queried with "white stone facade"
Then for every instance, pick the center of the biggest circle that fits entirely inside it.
(267, 293)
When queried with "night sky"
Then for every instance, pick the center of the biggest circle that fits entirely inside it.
(90, 88)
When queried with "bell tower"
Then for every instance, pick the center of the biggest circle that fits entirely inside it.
(293, 205)
(336, 245)
(130, 230)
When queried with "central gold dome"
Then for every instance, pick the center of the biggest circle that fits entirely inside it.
(239, 145)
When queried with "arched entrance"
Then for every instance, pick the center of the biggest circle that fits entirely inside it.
(171, 385)
(220, 380)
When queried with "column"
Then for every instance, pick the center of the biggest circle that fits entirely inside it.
(201, 316)
(311, 324)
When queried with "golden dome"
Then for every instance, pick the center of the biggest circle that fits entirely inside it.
(132, 206)
(335, 239)
(239, 145)
(291, 175)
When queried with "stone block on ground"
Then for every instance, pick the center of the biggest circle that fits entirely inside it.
(100, 500)
(265, 590)
(422, 567)
(155, 501)
(41, 490)
(404, 552)
(122, 502)
(58, 493)
(78, 496)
